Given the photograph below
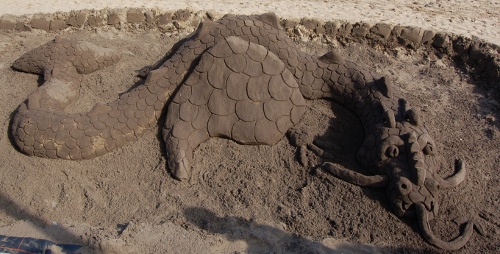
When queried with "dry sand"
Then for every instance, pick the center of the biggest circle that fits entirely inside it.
(469, 17)
(254, 199)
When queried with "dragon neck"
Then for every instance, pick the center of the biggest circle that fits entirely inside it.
(369, 96)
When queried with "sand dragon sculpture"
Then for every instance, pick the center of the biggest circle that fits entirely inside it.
(240, 78)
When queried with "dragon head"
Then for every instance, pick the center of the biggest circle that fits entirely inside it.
(410, 162)
(405, 157)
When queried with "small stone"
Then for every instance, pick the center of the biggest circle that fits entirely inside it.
(345, 29)
(382, 30)
(212, 14)
(331, 28)
(135, 17)
(113, 19)
(40, 23)
(7, 25)
(411, 35)
(165, 19)
(428, 36)
(150, 17)
(461, 45)
(57, 25)
(441, 40)
(95, 21)
(291, 23)
(396, 31)
(360, 29)
(182, 15)
(310, 24)
(21, 26)
(77, 19)
(320, 29)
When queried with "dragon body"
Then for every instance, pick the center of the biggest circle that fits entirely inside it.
(241, 78)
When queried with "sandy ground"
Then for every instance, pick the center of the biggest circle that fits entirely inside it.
(470, 17)
(254, 199)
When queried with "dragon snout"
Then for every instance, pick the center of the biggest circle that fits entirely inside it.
(405, 195)
(426, 206)
(401, 202)
(409, 201)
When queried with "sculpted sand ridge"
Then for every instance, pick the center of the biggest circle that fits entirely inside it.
(470, 18)
(240, 78)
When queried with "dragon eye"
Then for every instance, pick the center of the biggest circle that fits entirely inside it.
(392, 151)
(428, 149)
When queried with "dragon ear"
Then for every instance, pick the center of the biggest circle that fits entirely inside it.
(384, 85)
(332, 58)
(407, 113)
(413, 117)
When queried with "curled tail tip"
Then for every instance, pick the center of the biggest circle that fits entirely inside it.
(30, 61)
(478, 227)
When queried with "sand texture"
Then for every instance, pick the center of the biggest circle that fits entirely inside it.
(477, 18)
(259, 198)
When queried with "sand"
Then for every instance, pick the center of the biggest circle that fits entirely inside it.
(472, 18)
(255, 199)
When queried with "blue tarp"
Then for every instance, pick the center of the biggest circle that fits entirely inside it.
(27, 245)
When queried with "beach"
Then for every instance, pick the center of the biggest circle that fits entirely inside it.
(257, 199)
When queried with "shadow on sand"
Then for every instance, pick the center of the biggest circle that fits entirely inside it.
(261, 238)
(59, 234)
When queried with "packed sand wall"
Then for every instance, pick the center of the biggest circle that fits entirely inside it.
(481, 56)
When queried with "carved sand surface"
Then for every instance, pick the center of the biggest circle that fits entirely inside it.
(244, 79)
